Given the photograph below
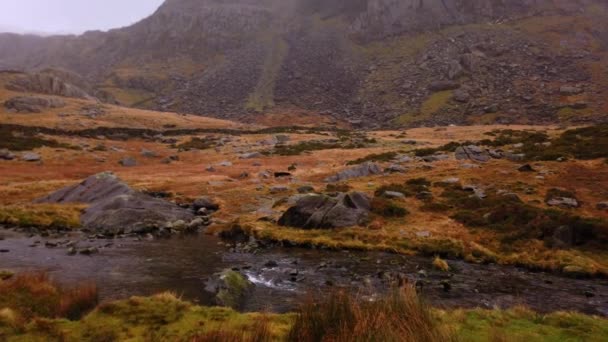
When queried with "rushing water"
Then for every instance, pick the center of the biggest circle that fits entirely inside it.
(126, 267)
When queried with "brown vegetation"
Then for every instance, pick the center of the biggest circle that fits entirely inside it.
(400, 317)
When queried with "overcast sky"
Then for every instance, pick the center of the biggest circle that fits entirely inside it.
(72, 16)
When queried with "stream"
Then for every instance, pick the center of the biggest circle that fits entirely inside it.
(284, 276)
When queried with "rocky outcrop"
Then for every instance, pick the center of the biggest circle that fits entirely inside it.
(32, 104)
(115, 208)
(46, 83)
(363, 170)
(472, 152)
(324, 212)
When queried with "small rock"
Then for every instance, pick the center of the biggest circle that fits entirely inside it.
(570, 90)
(148, 153)
(282, 174)
(435, 158)
(306, 189)
(278, 189)
(89, 251)
(443, 85)
(271, 264)
(251, 155)
(396, 169)
(225, 163)
(526, 168)
(563, 202)
(128, 162)
(423, 234)
(31, 157)
(514, 157)
(205, 202)
(6, 154)
(393, 194)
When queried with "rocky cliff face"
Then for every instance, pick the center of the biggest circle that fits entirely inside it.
(389, 62)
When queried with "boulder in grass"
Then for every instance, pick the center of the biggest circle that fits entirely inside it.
(115, 208)
(324, 212)
(363, 170)
(5, 154)
(472, 152)
(31, 157)
(128, 162)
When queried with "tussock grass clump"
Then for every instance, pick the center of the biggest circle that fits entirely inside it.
(394, 187)
(338, 187)
(409, 189)
(381, 157)
(516, 220)
(306, 146)
(259, 331)
(31, 295)
(197, 144)
(511, 137)
(441, 264)
(449, 147)
(556, 192)
(387, 208)
(400, 316)
(51, 216)
(580, 143)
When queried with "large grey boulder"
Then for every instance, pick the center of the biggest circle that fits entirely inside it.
(115, 208)
(324, 212)
(134, 213)
(472, 152)
(32, 104)
(93, 189)
(358, 171)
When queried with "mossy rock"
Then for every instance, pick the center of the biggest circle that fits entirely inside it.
(232, 288)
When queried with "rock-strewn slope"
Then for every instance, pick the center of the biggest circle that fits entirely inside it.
(385, 62)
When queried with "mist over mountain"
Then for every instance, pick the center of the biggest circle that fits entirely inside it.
(373, 62)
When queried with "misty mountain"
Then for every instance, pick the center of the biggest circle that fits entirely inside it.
(373, 62)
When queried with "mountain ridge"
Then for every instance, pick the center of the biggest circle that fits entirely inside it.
(372, 62)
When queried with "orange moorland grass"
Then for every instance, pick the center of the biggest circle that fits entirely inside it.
(259, 331)
(400, 316)
(35, 295)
